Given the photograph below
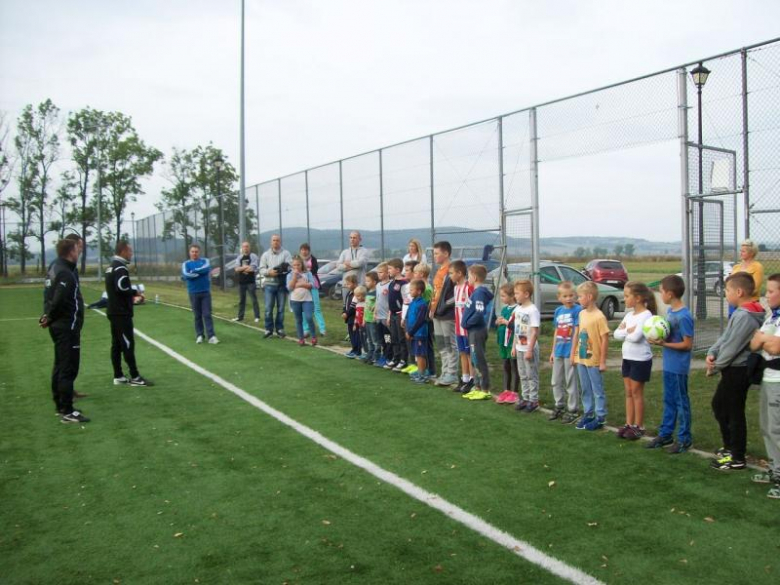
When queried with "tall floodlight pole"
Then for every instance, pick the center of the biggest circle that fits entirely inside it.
(218, 164)
(242, 161)
(699, 75)
(99, 204)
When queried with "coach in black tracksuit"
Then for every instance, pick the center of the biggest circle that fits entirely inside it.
(120, 314)
(63, 315)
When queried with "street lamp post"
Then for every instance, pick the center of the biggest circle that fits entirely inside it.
(218, 164)
(700, 74)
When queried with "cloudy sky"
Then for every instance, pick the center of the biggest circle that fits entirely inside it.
(333, 78)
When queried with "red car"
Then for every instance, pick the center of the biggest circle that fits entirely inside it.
(607, 272)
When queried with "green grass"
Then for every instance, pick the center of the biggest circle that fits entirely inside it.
(257, 503)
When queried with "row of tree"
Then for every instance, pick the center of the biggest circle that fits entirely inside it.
(627, 250)
(106, 161)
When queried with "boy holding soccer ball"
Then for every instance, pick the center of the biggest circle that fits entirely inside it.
(677, 364)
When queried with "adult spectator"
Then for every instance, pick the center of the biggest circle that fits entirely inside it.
(274, 267)
(353, 260)
(748, 252)
(415, 252)
(63, 315)
(121, 295)
(246, 268)
(196, 272)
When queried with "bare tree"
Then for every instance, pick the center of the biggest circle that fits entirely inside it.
(7, 163)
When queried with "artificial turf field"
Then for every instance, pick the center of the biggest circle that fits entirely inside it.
(184, 482)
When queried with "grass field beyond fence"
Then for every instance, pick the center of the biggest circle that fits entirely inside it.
(185, 483)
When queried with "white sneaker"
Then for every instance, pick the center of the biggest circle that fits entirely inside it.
(213, 340)
(257, 320)
(120, 381)
(199, 339)
(236, 319)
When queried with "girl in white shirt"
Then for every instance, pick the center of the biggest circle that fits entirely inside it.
(637, 356)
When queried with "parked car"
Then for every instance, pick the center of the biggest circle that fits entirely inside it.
(611, 299)
(470, 255)
(607, 272)
(231, 260)
(330, 281)
(715, 275)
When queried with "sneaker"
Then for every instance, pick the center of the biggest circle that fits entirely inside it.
(390, 365)
(727, 463)
(380, 363)
(257, 319)
(762, 477)
(121, 380)
(411, 369)
(722, 452)
(445, 380)
(480, 395)
(501, 398)
(596, 423)
(531, 406)
(774, 492)
(569, 418)
(351, 355)
(363, 357)
(521, 404)
(237, 320)
(74, 417)
(470, 393)
(281, 334)
(584, 422)
(633, 433)
(677, 448)
(621, 432)
(268, 334)
(513, 398)
(314, 341)
(301, 341)
(467, 387)
(199, 339)
(213, 340)
(421, 379)
(139, 381)
(555, 414)
(659, 442)
(399, 367)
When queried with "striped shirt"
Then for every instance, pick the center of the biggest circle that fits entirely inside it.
(462, 293)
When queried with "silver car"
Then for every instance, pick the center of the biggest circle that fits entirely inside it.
(611, 299)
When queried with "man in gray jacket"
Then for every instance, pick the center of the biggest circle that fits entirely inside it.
(353, 260)
(274, 266)
(247, 266)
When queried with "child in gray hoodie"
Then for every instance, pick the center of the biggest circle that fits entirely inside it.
(729, 357)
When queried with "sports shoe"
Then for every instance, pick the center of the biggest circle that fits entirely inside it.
(555, 414)
(268, 334)
(478, 394)
(677, 448)
(363, 357)
(199, 339)
(74, 417)
(399, 367)
(390, 365)
(467, 387)
(774, 491)
(380, 363)
(633, 433)
(596, 423)
(213, 340)
(411, 369)
(521, 404)
(351, 355)
(585, 422)
(728, 463)
(139, 381)
(514, 397)
(281, 334)
(237, 320)
(569, 418)
(659, 442)
(501, 398)
(762, 477)
(531, 406)
(622, 431)
(469, 394)
(257, 319)
(301, 341)
(422, 379)
(120, 381)
(722, 452)
(445, 380)
(313, 341)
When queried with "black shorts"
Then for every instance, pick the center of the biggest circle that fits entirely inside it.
(637, 371)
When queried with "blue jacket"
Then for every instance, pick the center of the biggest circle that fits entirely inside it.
(417, 318)
(476, 314)
(197, 275)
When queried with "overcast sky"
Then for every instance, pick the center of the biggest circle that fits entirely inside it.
(333, 78)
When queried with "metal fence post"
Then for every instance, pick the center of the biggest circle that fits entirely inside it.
(433, 216)
(279, 194)
(501, 204)
(682, 129)
(156, 256)
(341, 204)
(257, 207)
(745, 144)
(381, 207)
(533, 139)
(308, 226)
(165, 240)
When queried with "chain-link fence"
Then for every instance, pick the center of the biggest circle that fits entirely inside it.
(621, 161)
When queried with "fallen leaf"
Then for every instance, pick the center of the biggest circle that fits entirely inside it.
(551, 483)
(684, 561)
(709, 519)
(326, 522)
(178, 535)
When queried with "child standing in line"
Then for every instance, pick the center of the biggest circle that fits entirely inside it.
(767, 340)
(360, 321)
(476, 317)
(564, 376)
(396, 303)
(300, 283)
(729, 357)
(381, 314)
(348, 314)
(505, 336)
(637, 356)
(372, 340)
(589, 353)
(677, 364)
(458, 275)
(417, 330)
(407, 297)
(423, 272)
(525, 348)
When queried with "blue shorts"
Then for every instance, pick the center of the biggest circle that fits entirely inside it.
(463, 344)
(420, 347)
(637, 371)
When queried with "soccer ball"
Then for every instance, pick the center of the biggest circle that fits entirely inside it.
(656, 328)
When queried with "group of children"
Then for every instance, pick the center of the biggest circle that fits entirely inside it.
(389, 320)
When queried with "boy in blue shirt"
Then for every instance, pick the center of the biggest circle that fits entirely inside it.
(476, 316)
(196, 272)
(677, 363)
(417, 330)
(564, 377)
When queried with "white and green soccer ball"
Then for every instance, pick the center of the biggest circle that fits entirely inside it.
(656, 328)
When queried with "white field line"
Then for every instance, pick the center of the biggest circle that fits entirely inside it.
(515, 545)
(19, 319)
